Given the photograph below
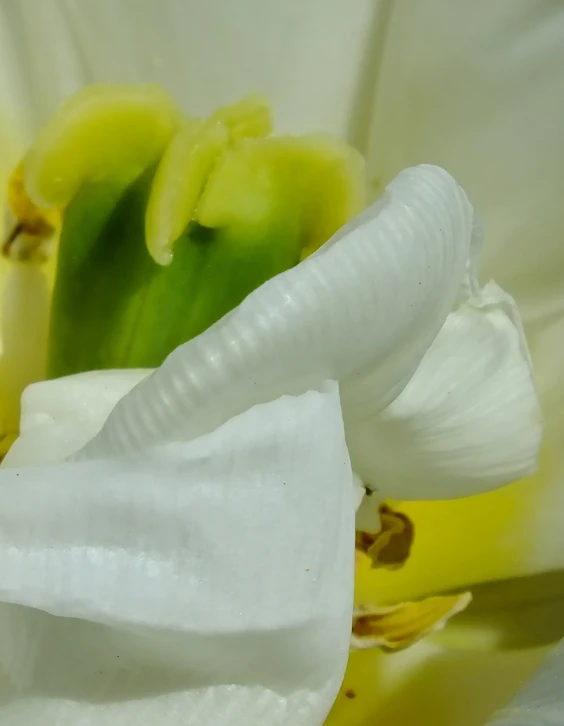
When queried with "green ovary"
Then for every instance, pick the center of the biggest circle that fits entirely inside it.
(169, 222)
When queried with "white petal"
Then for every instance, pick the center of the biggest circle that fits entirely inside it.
(199, 583)
(468, 421)
(477, 88)
(58, 417)
(373, 298)
(206, 52)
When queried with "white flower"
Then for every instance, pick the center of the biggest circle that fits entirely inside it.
(434, 380)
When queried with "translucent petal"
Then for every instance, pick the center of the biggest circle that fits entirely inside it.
(477, 88)
(490, 115)
(466, 422)
(206, 52)
(373, 298)
(198, 583)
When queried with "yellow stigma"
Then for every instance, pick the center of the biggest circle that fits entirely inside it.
(101, 132)
(178, 183)
(248, 118)
(187, 163)
(317, 177)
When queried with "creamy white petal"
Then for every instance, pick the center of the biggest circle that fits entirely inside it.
(373, 298)
(477, 88)
(203, 582)
(304, 56)
(491, 116)
(468, 421)
(58, 417)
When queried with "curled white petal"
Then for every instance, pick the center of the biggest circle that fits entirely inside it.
(468, 421)
(373, 298)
